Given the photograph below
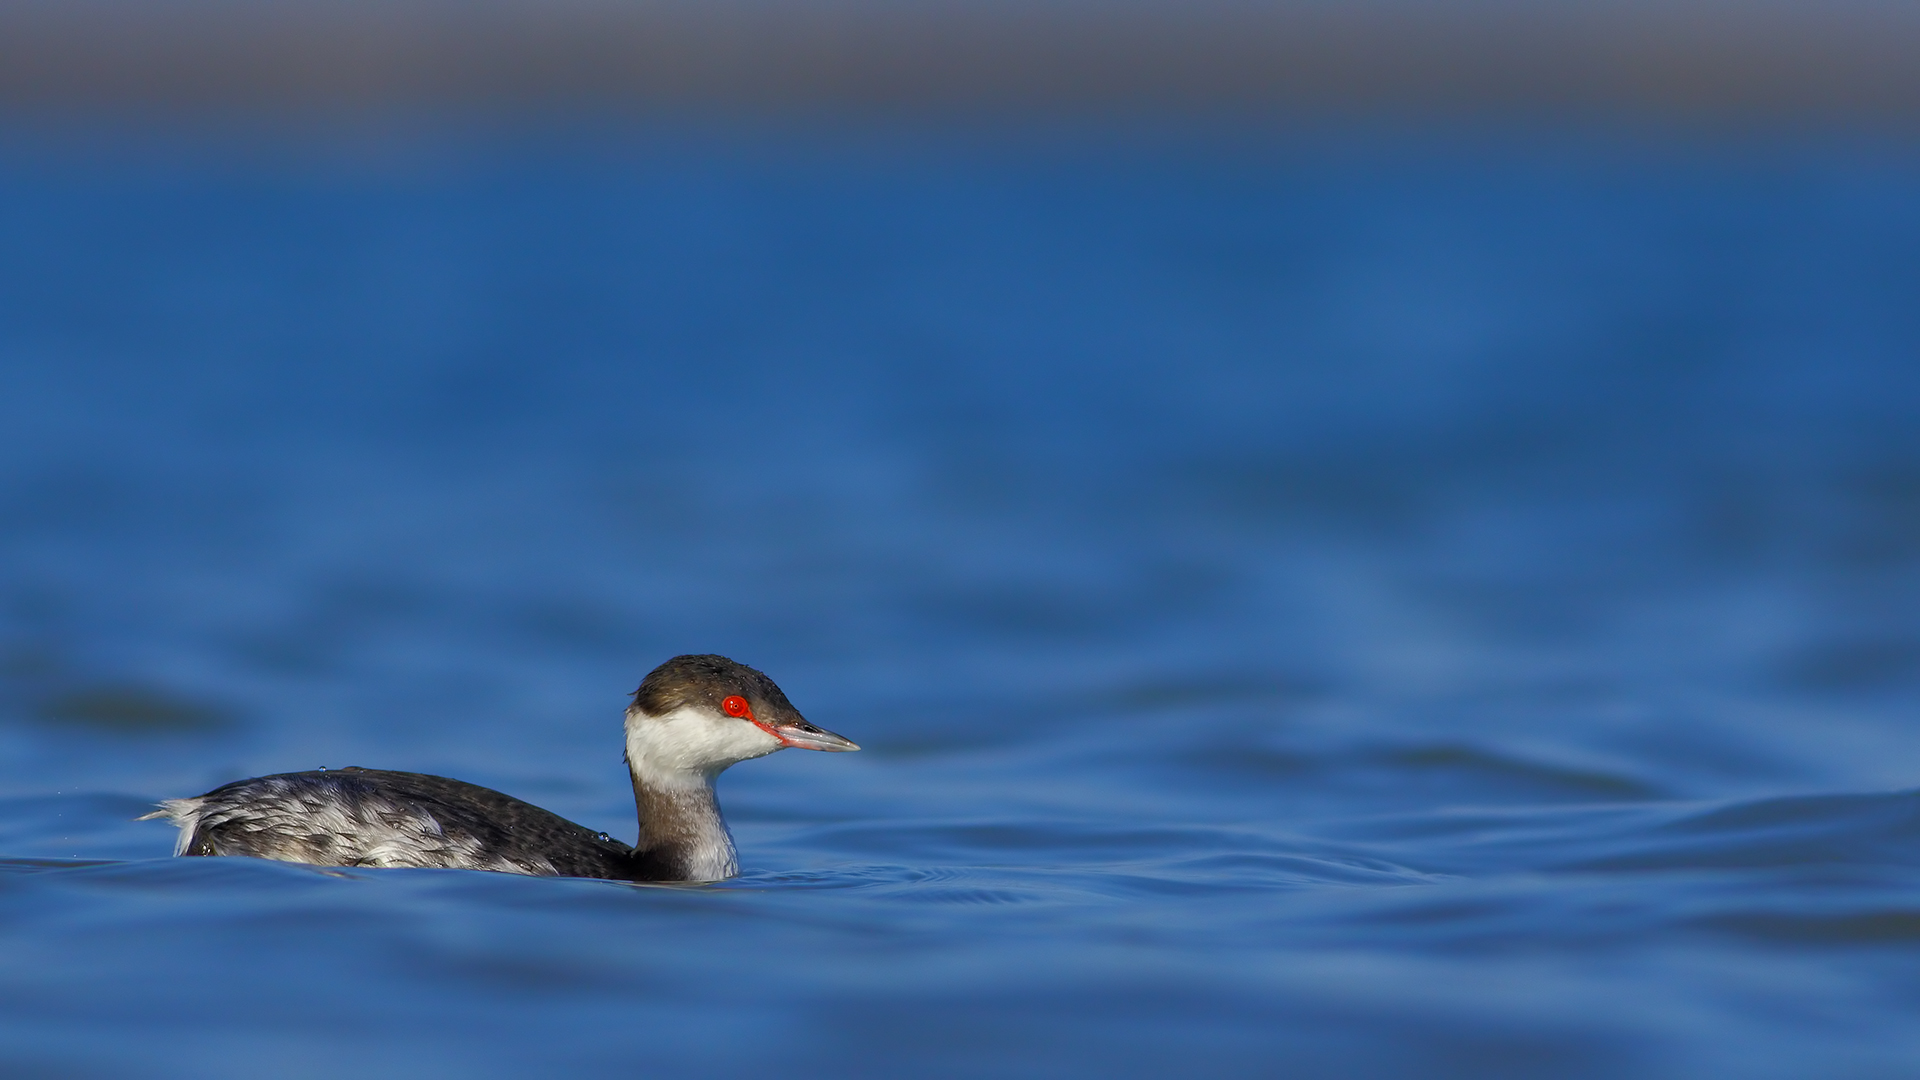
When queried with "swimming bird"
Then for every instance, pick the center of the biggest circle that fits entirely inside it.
(691, 718)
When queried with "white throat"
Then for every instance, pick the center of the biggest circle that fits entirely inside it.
(674, 758)
(688, 747)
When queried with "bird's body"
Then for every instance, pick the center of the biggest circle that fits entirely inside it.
(371, 817)
(692, 718)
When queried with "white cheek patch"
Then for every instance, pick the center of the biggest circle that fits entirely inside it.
(690, 746)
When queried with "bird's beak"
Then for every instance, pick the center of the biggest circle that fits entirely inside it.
(804, 736)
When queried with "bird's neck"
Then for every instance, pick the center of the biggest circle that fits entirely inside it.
(682, 835)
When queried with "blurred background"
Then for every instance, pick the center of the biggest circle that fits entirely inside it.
(1358, 539)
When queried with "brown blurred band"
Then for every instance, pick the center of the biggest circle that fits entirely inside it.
(1715, 58)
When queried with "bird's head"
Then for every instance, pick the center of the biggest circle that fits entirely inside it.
(695, 715)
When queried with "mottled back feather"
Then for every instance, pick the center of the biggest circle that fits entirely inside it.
(372, 817)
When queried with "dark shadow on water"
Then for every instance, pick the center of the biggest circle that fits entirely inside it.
(132, 709)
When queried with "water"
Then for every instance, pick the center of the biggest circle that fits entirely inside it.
(1397, 606)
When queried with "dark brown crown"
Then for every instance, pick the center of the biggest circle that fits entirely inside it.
(705, 680)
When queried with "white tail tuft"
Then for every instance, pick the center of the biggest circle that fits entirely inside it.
(182, 812)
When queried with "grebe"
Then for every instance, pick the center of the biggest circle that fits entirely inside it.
(691, 718)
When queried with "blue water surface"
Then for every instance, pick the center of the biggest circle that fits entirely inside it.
(1401, 605)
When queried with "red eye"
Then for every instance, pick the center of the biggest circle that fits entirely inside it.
(736, 706)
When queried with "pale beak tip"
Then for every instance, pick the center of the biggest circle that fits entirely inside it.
(812, 738)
